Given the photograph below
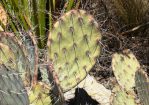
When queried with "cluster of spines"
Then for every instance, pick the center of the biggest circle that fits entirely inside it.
(30, 43)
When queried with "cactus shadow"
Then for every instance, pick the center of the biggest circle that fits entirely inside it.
(81, 98)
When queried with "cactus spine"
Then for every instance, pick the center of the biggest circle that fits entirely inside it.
(73, 45)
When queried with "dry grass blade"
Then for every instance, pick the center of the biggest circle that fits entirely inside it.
(3, 18)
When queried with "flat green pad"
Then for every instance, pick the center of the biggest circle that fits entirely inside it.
(142, 86)
(12, 90)
(122, 98)
(124, 66)
(19, 52)
(39, 95)
(73, 46)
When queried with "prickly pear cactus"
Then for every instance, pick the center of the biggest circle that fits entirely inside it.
(19, 52)
(124, 66)
(12, 90)
(142, 86)
(39, 95)
(73, 46)
(122, 98)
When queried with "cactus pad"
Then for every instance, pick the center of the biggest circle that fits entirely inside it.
(12, 91)
(19, 52)
(124, 66)
(39, 95)
(122, 98)
(142, 86)
(73, 46)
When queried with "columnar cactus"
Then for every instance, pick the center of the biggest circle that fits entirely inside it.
(124, 67)
(12, 91)
(142, 86)
(73, 46)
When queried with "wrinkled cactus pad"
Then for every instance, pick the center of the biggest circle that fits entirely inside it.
(142, 86)
(73, 46)
(20, 54)
(12, 90)
(124, 66)
(121, 97)
(39, 95)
